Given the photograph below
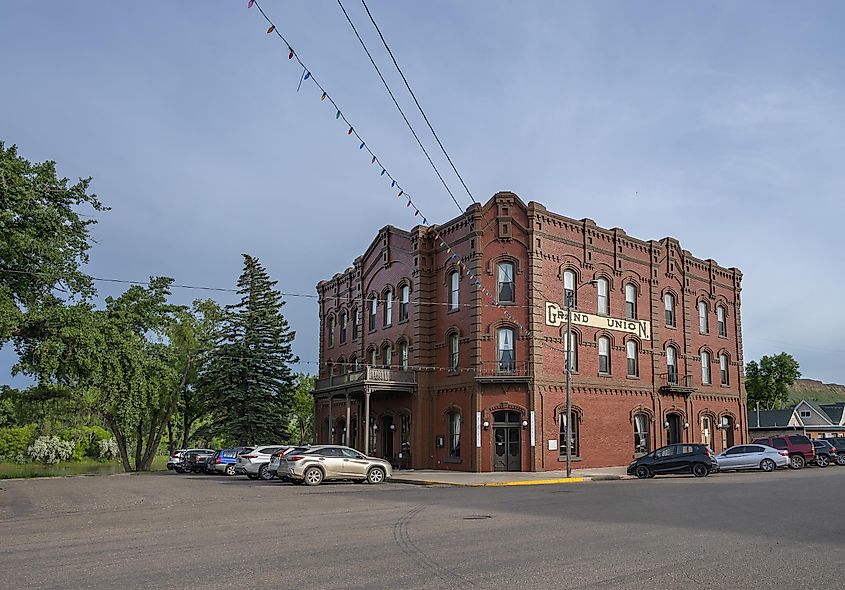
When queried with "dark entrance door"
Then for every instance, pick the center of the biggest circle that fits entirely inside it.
(674, 429)
(387, 429)
(507, 435)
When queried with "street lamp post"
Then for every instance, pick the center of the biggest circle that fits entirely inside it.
(569, 297)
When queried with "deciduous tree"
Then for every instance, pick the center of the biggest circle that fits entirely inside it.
(768, 382)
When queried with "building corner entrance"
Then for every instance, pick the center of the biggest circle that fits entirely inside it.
(507, 435)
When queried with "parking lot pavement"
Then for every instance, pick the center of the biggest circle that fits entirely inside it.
(742, 530)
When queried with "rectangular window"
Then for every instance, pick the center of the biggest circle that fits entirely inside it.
(388, 356)
(723, 369)
(373, 313)
(671, 365)
(574, 440)
(705, 368)
(388, 308)
(454, 280)
(641, 437)
(343, 322)
(330, 331)
(720, 319)
(404, 303)
(356, 323)
(630, 301)
(506, 283)
(454, 435)
(669, 306)
(453, 352)
(373, 357)
(507, 361)
(404, 356)
(569, 288)
(603, 307)
(633, 358)
(570, 347)
(604, 355)
(703, 320)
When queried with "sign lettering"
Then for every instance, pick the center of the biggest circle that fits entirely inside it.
(556, 316)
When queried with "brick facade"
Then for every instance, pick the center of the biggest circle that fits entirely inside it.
(419, 400)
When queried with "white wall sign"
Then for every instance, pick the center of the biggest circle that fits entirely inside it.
(556, 316)
(552, 444)
(478, 430)
(533, 437)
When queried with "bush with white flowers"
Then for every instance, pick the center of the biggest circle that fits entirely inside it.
(50, 449)
(108, 448)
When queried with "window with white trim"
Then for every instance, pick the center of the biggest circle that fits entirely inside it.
(506, 357)
(672, 364)
(705, 367)
(507, 291)
(343, 323)
(373, 312)
(604, 355)
(703, 317)
(603, 301)
(632, 354)
(330, 330)
(403, 355)
(642, 440)
(669, 307)
(570, 346)
(454, 435)
(723, 369)
(388, 307)
(453, 351)
(569, 287)
(720, 320)
(454, 292)
(630, 301)
(404, 302)
(575, 436)
(388, 356)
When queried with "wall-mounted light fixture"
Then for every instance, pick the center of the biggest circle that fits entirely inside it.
(525, 423)
(686, 425)
(485, 424)
(666, 424)
(393, 427)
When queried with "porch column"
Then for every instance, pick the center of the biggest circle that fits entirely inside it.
(366, 422)
(331, 423)
(314, 423)
(348, 425)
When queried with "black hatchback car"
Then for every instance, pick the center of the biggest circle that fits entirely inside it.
(679, 458)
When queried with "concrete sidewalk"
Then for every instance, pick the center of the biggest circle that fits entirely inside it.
(494, 479)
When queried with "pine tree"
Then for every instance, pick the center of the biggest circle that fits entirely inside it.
(247, 378)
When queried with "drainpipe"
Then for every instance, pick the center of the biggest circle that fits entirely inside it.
(758, 414)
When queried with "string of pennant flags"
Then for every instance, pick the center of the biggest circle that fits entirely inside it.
(401, 193)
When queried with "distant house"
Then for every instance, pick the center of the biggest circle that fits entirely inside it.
(811, 418)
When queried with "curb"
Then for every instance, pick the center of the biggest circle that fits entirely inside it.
(499, 484)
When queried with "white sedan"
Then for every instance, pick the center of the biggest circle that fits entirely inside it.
(752, 457)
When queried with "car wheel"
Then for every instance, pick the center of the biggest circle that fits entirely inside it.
(767, 465)
(313, 476)
(700, 470)
(376, 475)
(264, 473)
(796, 462)
(230, 470)
(642, 472)
(840, 459)
(822, 460)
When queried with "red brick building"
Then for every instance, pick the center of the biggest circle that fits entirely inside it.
(442, 374)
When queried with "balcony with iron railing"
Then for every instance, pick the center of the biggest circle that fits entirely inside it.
(503, 372)
(370, 376)
(672, 382)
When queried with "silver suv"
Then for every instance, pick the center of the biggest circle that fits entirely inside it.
(327, 462)
(254, 463)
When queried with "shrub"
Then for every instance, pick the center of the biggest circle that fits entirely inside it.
(108, 449)
(15, 441)
(50, 449)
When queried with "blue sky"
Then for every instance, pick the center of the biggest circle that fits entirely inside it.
(719, 123)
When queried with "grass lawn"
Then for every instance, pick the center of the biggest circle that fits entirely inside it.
(87, 467)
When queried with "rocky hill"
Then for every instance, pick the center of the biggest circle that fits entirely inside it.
(811, 389)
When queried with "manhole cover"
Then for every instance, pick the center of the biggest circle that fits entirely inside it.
(477, 517)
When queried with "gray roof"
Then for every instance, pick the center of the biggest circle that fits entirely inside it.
(770, 418)
(833, 411)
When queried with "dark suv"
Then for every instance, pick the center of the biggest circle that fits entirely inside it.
(679, 458)
(838, 443)
(800, 448)
(825, 452)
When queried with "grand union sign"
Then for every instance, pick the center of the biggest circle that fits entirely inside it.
(556, 315)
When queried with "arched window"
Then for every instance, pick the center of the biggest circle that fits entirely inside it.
(453, 351)
(403, 355)
(720, 320)
(603, 304)
(343, 321)
(705, 367)
(329, 368)
(507, 290)
(355, 363)
(330, 330)
(341, 366)
(388, 355)
(642, 438)
(669, 306)
(404, 302)
(570, 346)
(703, 317)
(454, 292)
(388, 307)
(707, 432)
(631, 301)
(672, 364)
(632, 352)
(356, 322)
(723, 369)
(506, 358)
(454, 435)
(569, 288)
(373, 355)
(604, 355)
(575, 435)
(373, 312)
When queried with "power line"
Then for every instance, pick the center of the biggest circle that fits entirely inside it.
(399, 108)
(417, 102)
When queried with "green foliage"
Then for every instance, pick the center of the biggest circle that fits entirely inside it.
(15, 441)
(768, 382)
(247, 377)
(43, 238)
(302, 405)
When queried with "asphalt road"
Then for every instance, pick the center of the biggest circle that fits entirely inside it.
(746, 530)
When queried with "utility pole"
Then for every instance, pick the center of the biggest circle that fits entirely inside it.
(569, 301)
